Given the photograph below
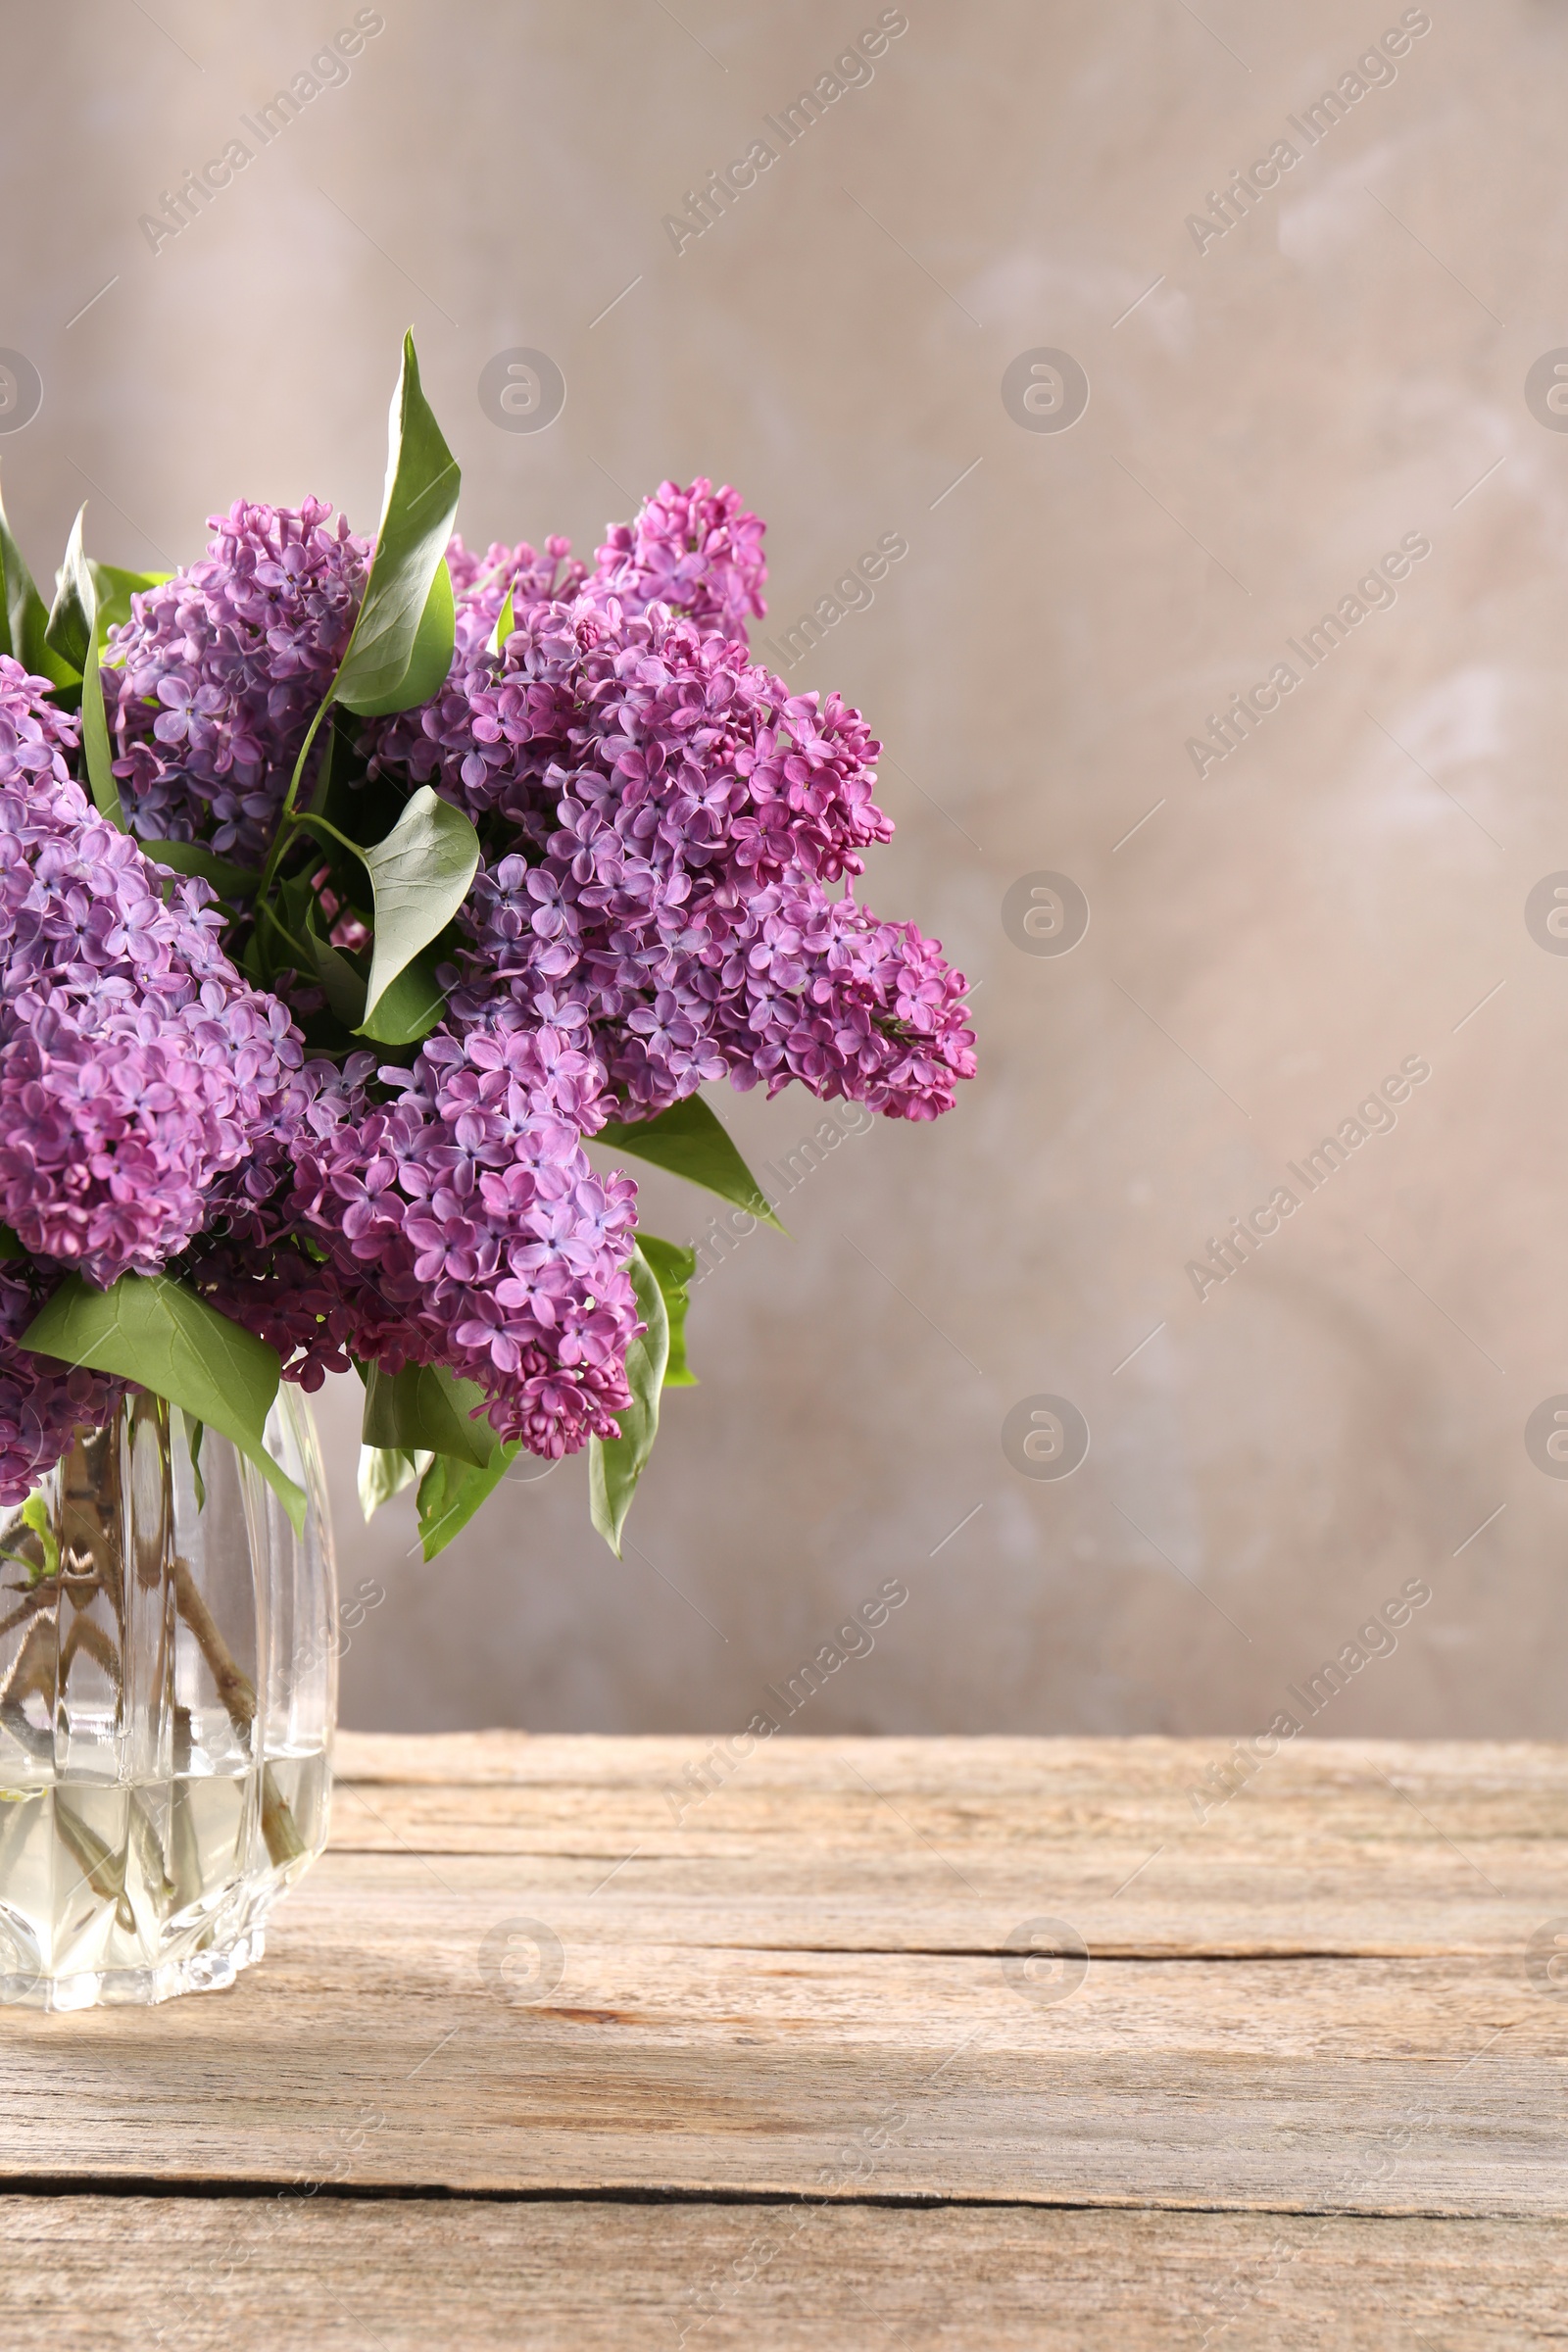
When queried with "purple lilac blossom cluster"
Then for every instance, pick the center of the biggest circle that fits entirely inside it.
(662, 821)
(670, 817)
(137, 1070)
(467, 1200)
(453, 1220)
(214, 681)
(41, 1402)
(698, 550)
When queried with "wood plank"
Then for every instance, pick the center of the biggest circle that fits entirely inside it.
(199, 2275)
(1119, 1770)
(371, 2048)
(1357, 1846)
(807, 1983)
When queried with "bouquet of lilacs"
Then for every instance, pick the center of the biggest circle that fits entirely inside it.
(344, 888)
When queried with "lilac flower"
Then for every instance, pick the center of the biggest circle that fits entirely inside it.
(137, 1070)
(214, 681)
(697, 551)
(443, 1214)
(481, 584)
(664, 823)
(41, 1402)
(300, 1306)
(466, 1207)
(677, 815)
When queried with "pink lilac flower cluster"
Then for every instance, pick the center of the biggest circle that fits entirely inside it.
(671, 817)
(137, 1070)
(455, 1220)
(156, 1109)
(698, 550)
(481, 584)
(213, 682)
(465, 1201)
(662, 822)
(41, 1402)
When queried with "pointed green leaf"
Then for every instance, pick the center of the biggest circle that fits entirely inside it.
(505, 622)
(421, 875)
(96, 750)
(115, 590)
(615, 1464)
(152, 1330)
(410, 1008)
(401, 647)
(451, 1492)
(232, 882)
(35, 1514)
(195, 1431)
(429, 661)
(425, 1408)
(689, 1141)
(397, 645)
(385, 1471)
(25, 616)
(73, 631)
(341, 984)
(673, 1268)
(69, 628)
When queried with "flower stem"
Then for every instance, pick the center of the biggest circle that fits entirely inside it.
(280, 838)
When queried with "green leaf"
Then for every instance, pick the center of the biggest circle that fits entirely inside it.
(36, 1515)
(421, 875)
(384, 1470)
(451, 1492)
(152, 1330)
(321, 791)
(673, 1268)
(689, 1141)
(73, 630)
(232, 882)
(429, 661)
(342, 986)
(10, 1247)
(422, 1414)
(69, 627)
(615, 1464)
(423, 1409)
(195, 1431)
(505, 622)
(115, 588)
(400, 649)
(410, 1008)
(25, 616)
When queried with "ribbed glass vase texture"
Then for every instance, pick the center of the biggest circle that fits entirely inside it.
(168, 1694)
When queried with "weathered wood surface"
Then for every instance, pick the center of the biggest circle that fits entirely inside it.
(517, 1974)
(123, 2274)
(937, 1844)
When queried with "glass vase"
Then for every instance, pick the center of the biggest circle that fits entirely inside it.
(168, 1694)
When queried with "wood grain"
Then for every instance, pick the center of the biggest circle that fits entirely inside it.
(119, 2275)
(524, 1972)
(1357, 1846)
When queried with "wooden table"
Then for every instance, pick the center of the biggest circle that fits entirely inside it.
(533, 2062)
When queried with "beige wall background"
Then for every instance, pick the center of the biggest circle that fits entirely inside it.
(1267, 416)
